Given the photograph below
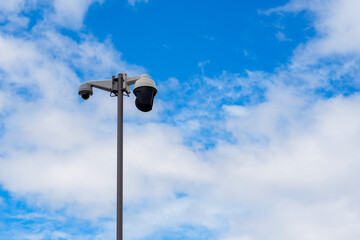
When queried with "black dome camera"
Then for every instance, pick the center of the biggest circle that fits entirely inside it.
(145, 91)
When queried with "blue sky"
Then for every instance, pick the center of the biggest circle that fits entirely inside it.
(254, 133)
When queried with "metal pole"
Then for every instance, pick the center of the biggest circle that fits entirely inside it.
(119, 216)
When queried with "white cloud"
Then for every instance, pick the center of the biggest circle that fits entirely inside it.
(202, 64)
(11, 6)
(335, 21)
(133, 2)
(282, 37)
(70, 13)
(49, 155)
(63, 13)
(292, 173)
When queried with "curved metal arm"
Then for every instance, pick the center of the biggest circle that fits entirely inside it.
(106, 85)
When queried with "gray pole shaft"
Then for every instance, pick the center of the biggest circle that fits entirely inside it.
(119, 216)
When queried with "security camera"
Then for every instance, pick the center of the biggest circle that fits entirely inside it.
(85, 91)
(145, 91)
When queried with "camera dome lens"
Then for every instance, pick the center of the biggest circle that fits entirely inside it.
(85, 96)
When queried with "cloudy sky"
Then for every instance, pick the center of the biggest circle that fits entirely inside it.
(254, 135)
